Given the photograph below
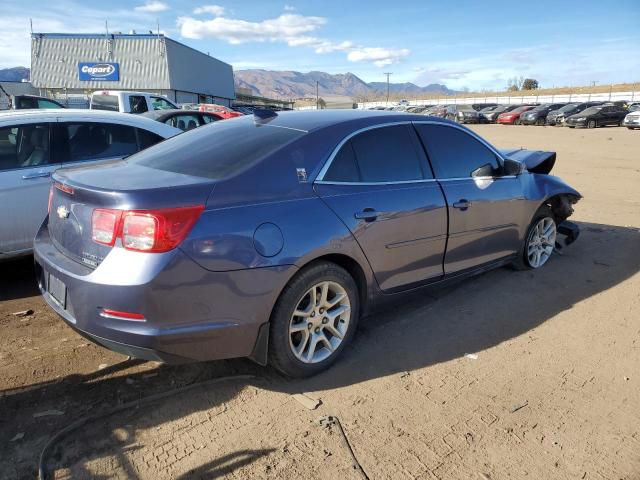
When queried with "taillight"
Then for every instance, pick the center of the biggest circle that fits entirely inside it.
(50, 199)
(104, 225)
(145, 230)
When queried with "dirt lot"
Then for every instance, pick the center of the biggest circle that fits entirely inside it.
(553, 393)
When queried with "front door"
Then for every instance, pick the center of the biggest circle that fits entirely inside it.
(381, 187)
(486, 208)
(25, 171)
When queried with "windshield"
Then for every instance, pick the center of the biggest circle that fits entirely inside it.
(566, 108)
(591, 111)
(218, 150)
(520, 109)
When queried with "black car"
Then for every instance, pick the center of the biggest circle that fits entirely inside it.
(183, 119)
(557, 117)
(538, 115)
(598, 116)
(492, 115)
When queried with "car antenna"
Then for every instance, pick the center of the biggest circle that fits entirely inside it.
(263, 115)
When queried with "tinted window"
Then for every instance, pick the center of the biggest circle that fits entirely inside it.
(161, 104)
(387, 154)
(24, 146)
(92, 141)
(137, 104)
(455, 153)
(188, 121)
(47, 104)
(217, 151)
(343, 168)
(26, 102)
(147, 139)
(105, 102)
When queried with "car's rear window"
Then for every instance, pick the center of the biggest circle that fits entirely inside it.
(104, 102)
(217, 150)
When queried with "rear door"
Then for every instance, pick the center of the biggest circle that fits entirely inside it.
(486, 208)
(380, 185)
(26, 163)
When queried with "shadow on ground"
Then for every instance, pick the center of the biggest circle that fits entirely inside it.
(430, 328)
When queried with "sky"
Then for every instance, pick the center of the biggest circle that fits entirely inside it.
(477, 45)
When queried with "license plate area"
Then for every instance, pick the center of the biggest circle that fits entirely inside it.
(58, 290)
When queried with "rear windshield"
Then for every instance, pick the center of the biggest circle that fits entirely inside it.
(104, 102)
(217, 150)
(571, 106)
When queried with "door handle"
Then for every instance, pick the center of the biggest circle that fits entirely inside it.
(462, 204)
(368, 215)
(29, 176)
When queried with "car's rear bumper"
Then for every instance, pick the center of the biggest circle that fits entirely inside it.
(189, 313)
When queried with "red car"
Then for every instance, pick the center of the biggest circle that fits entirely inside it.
(224, 112)
(513, 117)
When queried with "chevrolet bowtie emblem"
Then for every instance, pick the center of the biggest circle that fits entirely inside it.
(62, 211)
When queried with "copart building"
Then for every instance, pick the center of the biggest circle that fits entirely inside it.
(74, 65)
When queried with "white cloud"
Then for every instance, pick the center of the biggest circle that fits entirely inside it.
(379, 56)
(289, 8)
(215, 10)
(290, 28)
(152, 6)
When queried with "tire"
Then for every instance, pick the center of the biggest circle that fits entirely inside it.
(517, 122)
(591, 124)
(526, 259)
(540, 122)
(291, 336)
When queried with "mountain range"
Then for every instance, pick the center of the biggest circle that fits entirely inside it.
(291, 84)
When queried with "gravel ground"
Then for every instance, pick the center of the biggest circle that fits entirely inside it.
(508, 375)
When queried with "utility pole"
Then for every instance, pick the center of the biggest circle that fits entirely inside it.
(317, 99)
(387, 74)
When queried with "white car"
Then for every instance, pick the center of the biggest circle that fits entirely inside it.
(34, 143)
(632, 120)
(129, 102)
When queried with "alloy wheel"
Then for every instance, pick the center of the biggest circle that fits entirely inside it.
(542, 240)
(319, 322)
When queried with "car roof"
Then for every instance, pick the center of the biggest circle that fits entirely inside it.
(310, 120)
(78, 114)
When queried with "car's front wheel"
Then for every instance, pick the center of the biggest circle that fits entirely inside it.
(539, 242)
(591, 124)
(314, 319)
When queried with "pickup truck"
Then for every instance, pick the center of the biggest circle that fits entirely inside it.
(128, 102)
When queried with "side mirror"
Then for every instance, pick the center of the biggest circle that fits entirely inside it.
(513, 167)
(485, 170)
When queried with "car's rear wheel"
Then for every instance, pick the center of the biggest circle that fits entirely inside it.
(539, 242)
(313, 320)
(591, 124)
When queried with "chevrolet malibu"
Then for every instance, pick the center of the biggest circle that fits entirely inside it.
(270, 236)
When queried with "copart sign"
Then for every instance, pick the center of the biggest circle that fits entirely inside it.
(98, 72)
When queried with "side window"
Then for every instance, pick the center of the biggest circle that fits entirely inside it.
(343, 168)
(147, 139)
(93, 141)
(210, 118)
(24, 146)
(47, 104)
(184, 122)
(23, 103)
(161, 104)
(456, 154)
(137, 104)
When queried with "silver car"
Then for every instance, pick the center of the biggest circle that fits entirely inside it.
(34, 143)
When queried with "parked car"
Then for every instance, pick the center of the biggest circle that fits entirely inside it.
(23, 102)
(492, 115)
(128, 102)
(270, 236)
(634, 106)
(538, 115)
(35, 143)
(598, 116)
(512, 117)
(439, 111)
(557, 117)
(184, 120)
(632, 120)
(224, 112)
(462, 114)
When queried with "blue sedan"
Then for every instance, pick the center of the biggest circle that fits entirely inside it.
(270, 236)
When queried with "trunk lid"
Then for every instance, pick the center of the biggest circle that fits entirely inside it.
(118, 185)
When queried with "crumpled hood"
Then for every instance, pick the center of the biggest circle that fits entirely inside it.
(536, 161)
